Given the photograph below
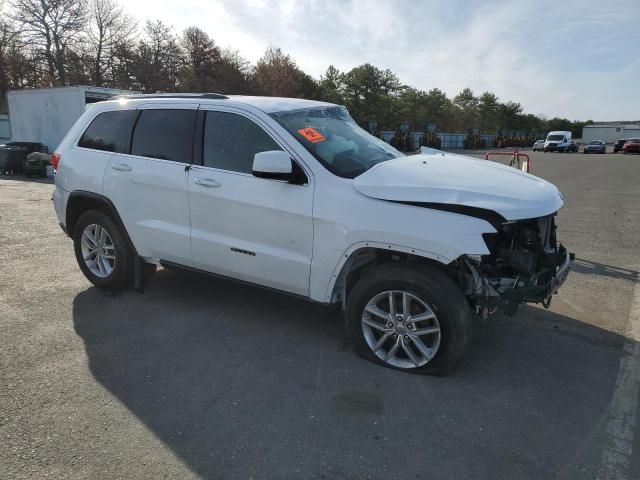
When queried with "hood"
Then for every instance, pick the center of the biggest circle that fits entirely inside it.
(459, 180)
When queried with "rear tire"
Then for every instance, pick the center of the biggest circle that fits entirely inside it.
(432, 296)
(102, 251)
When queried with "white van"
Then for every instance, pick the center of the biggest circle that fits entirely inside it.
(560, 141)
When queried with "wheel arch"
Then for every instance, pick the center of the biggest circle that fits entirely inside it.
(363, 257)
(81, 201)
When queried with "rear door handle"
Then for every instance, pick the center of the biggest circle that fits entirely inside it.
(206, 182)
(122, 167)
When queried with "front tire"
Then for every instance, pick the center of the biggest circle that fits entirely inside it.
(102, 251)
(410, 318)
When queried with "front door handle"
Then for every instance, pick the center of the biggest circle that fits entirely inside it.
(206, 182)
(122, 167)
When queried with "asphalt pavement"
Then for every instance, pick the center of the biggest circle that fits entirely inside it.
(204, 378)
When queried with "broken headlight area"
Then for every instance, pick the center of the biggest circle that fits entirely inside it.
(526, 264)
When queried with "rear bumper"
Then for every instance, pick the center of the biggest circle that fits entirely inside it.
(59, 199)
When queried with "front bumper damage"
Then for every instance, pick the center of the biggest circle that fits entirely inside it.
(540, 293)
(526, 265)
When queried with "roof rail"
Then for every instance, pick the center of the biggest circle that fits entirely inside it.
(211, 96)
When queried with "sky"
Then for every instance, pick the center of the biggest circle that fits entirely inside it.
(574, 59)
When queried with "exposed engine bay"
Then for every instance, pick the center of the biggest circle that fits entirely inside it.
(526, 264)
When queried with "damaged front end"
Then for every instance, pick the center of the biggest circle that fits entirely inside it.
(526, 265)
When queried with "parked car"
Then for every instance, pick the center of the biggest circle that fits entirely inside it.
(595, 146)
(538, 146)
(573, 147)
(292, 195)
(617, 147)
(632, 146)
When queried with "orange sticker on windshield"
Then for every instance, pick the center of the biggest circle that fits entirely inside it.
(311, 135)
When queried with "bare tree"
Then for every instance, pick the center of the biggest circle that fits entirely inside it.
(14, 65)
(52, 26)
(277, 74)
(109, 25)
(6, 38)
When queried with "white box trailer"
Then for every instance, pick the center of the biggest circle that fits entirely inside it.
(609, 133)
(632, 131)
(45, 115)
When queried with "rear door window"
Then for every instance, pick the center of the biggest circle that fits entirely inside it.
(231, 141)
(110, 131)
(164, 134)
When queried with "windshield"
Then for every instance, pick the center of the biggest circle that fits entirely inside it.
(634, 140)
(335, 140)
(595, 142)
(555, 138)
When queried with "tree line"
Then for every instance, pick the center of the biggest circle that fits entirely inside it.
(50, 43)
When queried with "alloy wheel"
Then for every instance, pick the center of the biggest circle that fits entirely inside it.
(98, 251)
(401, 329)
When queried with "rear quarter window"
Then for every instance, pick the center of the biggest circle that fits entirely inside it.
(110, 131)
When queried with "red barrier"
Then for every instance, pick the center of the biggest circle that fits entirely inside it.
(515, 158)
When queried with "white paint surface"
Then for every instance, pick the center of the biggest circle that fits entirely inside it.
(460, 180)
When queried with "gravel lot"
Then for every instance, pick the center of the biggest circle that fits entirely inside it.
(203, 378)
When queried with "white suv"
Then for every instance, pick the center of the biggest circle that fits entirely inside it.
(292, 195)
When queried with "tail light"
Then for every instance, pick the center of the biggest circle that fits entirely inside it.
(55, 160)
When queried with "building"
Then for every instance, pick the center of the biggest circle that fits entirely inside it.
(609, 133)
(45, 115)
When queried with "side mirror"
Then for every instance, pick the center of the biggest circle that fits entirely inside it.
(274, 164)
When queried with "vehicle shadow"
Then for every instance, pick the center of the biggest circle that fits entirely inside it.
(240, 382)
(588, 267)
